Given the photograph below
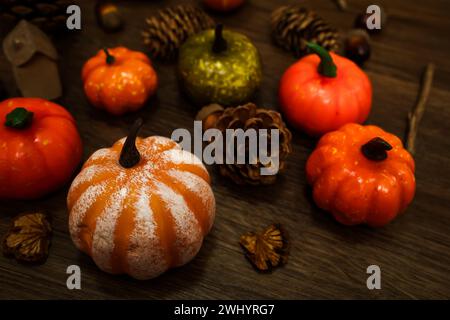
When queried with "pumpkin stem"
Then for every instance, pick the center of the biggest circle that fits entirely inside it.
(220, 44)
(19, 118)
(130, 156)
(327, 68)
(109, 58)
(376, 149)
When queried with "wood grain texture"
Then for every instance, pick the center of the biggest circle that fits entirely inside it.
(327, 260)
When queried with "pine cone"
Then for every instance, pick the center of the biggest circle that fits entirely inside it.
(48, 15)
(294, 26)
(246, 117)
(168, 30)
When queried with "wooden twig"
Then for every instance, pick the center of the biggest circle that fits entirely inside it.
(342, 4)
(415, 116)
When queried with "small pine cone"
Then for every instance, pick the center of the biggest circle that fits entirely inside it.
(167, 31)
(48, 15)
(294, 26)
(248, 117)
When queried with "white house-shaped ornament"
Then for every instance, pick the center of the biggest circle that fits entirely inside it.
(34, 61)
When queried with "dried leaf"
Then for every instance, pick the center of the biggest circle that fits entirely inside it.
(28, 239)
(268, 249)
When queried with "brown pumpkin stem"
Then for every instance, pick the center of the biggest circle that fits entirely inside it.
(19, 118)
(130, 156)
(376, 149)
(109, 58)
(220, 44)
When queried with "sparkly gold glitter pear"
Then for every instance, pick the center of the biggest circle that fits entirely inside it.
(217, 66)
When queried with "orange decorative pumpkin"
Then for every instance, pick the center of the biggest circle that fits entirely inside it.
(119, 80)
(141, 207)
(361, 174)
(40, 148)
(323, 91)
(223, 5)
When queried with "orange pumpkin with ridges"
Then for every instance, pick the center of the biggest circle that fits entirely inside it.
(141, 207)
(361, 174)
(119, 80)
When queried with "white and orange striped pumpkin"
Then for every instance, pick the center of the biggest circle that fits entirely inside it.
(145, 217)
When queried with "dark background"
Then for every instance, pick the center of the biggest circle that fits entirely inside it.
(327, 260)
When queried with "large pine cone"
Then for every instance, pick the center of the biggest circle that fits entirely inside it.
(48, 15)
(294, 26)
(247, 117)
(168, 30)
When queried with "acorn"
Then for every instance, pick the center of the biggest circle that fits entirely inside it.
(357, 46)
(361, 21)
(108, 16)
(209, 115)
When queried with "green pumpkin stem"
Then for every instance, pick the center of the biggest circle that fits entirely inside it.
(220, 44)
(376, 149)
(327, 68)
(130, 156)
(19, 118)
(109, 58)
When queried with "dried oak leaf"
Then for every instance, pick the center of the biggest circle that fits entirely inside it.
(28, 239)
(268, 249)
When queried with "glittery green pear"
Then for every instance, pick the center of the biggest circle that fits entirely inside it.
(219, 66)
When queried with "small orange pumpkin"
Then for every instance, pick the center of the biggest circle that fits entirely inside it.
(119, 80)
(361, 174)
(141, 207)
(40, 148)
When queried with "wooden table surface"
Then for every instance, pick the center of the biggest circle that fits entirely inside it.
(327, 260)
